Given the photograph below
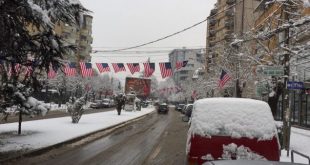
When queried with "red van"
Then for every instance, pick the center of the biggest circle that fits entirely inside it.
(231, 128)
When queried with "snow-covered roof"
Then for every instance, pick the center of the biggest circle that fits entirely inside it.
(235, 117)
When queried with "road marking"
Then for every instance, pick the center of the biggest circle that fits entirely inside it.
(156, 152)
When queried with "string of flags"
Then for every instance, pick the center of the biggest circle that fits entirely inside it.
(86, 69)
(149, 68)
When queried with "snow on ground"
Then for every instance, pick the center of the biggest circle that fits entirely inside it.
(42, 133)
(300, 141)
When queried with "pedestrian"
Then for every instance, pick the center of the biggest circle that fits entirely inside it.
(119, 103)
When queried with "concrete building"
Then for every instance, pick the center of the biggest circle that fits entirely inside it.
(79, 36)
(195, 58)
(227, 19)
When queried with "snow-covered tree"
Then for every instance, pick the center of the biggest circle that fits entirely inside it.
(28, 44)
(75, 108)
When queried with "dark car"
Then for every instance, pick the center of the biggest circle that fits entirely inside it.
(107, 103)
(179, 107)
(96, 104)
(187, 107)
(163, 108)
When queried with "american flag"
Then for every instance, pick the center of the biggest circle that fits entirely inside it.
(165, 69)
(86, 69)
(51, 72)
(70, 69)
(133, 67)
(149, 69)
(118, 67)
(17, 68)
(223, 79)
(194, 95)
(103, 67)
(29, 70)
(180, 64)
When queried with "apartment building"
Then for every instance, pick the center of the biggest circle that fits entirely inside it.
(195, 58)
(228, 18)
(79, 36)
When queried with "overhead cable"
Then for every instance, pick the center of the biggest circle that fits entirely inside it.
(133, 47)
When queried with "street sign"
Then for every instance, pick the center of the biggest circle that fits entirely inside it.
(295, 85)
(270, 70)
(261, 88)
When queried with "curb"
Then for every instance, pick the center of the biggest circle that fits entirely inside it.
(39, 151)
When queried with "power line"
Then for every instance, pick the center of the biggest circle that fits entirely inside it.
(159, 47)
(135, 52)
(148, 43)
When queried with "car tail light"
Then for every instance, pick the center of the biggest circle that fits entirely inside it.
(192, 161)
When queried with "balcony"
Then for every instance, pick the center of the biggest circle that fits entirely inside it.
(213, 11)
(212, 22)
(229, 24)
(228, 37)
(230, 2)
(84, 33)
(230, 13)
(212, 33)
(211, 44)
(211, 39)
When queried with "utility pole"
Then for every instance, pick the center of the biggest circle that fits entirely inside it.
(286, 104)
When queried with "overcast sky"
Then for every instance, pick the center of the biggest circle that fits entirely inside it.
(125, 23)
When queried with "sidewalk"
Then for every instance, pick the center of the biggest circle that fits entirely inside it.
(300, 141)
(48, 132)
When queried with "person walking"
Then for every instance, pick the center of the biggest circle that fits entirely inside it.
(119, 103)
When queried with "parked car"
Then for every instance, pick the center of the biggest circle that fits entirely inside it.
(163, 108)
(187, 107)
(231, 128)
(179, 107)
(96, 104)
(107, 103)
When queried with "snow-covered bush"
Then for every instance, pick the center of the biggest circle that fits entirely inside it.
(75, 108)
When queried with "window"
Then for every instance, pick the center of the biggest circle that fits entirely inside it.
(183, 71)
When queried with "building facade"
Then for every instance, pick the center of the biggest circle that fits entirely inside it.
(228, 18)
(195, 58)
(81, 36)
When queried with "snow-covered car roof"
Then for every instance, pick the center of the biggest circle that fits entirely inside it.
(235, 117)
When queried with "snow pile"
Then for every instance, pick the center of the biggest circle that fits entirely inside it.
(232, 151)
(233, 117)
(43, 133)
(34, 106)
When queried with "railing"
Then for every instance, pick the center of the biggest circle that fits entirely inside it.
(300, 154)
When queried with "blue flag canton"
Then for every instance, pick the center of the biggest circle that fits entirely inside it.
(72, 65)
(223, 74)
(104, 65)
(168, 65)
(120, 65)
(152, 66)
(88, 65)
